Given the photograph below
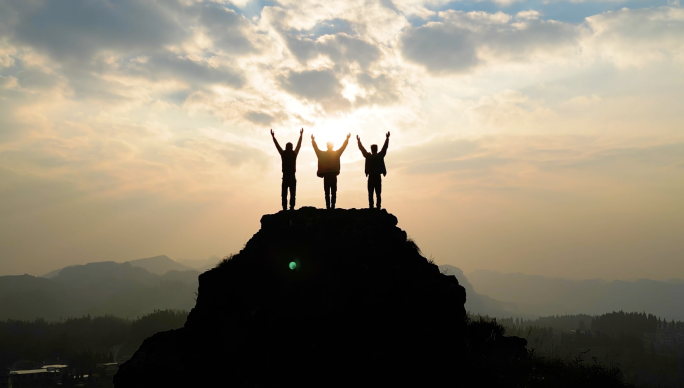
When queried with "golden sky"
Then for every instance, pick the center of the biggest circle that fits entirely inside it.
(543, 137)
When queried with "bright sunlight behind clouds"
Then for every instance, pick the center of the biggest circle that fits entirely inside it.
(534, 136)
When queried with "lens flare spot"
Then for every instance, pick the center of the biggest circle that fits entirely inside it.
(293, 265)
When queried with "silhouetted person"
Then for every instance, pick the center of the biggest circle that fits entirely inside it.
(329, 169)
(289, 159)
(375, 168)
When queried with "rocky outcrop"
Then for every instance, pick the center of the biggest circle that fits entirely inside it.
(315, 298)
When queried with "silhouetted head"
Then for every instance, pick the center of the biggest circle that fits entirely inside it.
(374, 149)
(330, 146)
(288, 146)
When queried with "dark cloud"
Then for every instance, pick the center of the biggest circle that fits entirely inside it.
(91, 39)
(77, 30)
(345, 49)
(313, 84)
(302, 49)
(169, 65)
(455, 44)
(320, 86)
(440, 48)
(226, 28)
(341, 48)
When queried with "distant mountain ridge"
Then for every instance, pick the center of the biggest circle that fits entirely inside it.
(539, 295)
(158, 265)
(121, 289)
(203, 265)
(481, 304)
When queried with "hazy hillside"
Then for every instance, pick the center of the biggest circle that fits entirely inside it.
(98, 289)
(478, 303)
(159, 265)
(203, 265)
(534, 294)
(28, 297)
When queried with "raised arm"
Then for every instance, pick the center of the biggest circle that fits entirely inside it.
(384, 147)
(363, 150)
(299, 143)
(344, 145)
(280, 150)
(315, 146)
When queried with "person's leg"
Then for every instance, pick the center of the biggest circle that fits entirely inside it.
(326, 187)
(283, 192)
(293, 193)
(370, 192)
(378, 190)
(333, 189)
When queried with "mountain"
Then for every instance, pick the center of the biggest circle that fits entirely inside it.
(539, 295)
(26, 297)
(159, 265)
(315, 298)
(482, 304)
(203, 265)
(96, 288)
(52, 274)
(188, 277)
(113, 277)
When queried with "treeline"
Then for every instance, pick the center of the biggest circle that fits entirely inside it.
(615, 338)
(621, 323)
(614, 323)
(79, 342)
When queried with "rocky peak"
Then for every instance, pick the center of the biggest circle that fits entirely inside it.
(315, 298)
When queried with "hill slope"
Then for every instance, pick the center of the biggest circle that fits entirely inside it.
(159, 265)
(478, 303)
(97, 289)
(316, 297)
(534, 294)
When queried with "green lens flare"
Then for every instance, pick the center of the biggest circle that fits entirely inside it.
(293, 265)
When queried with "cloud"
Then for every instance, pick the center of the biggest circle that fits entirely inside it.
(320, 86)
(378, 90)
(441, 48)
(341, 49)
(78, 30)
(461, 41)
(637, 37)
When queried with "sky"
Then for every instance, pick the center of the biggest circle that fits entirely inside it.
(543, 137)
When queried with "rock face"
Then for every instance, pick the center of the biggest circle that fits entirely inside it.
(316, 298)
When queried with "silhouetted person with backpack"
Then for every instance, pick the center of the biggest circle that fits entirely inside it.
(375, 166)
(289, 159)
(329, 169)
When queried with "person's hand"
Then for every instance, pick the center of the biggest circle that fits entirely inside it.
(301, 132)
(312, 138)
(388, 135)
(348, 136)
(358, 138)
(272, 134)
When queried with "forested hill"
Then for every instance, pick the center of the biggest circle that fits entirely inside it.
(119, 289)
(81, 342)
